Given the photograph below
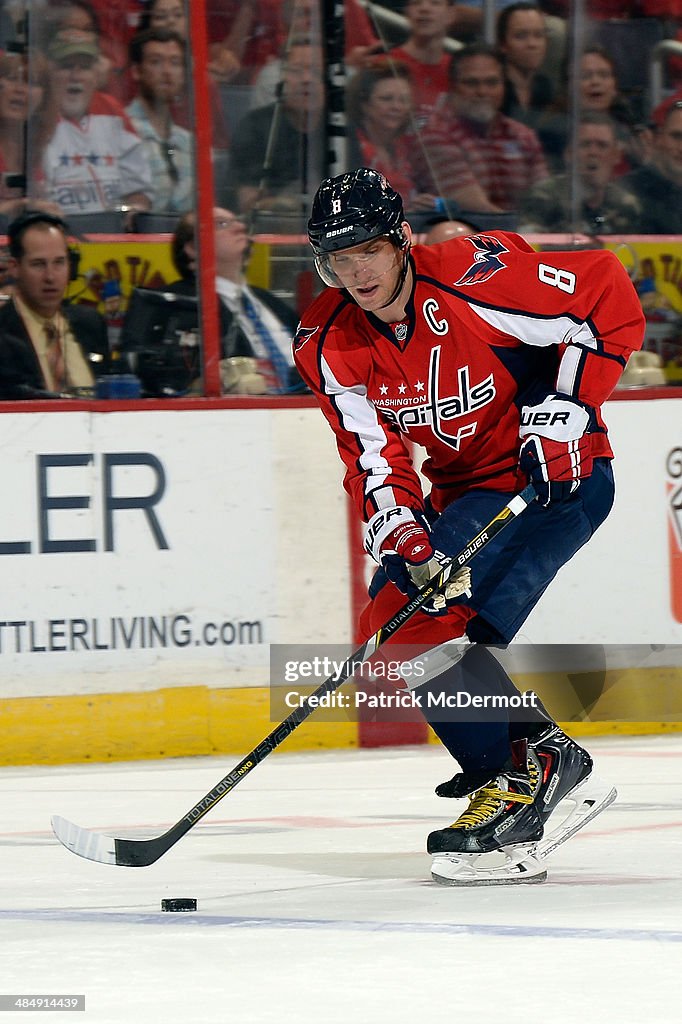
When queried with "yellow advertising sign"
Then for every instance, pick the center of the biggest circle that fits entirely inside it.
(109, 271)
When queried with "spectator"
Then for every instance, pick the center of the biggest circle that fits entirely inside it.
(658, 185)
(243, 36)
(477, 156)
(95, 160)
(529, 93)
(360, 38)
(157, 62)
(65, 15)
(605, 207)
(278, 149)
(301, 19)
(522, 41)
(254, 323)
(169, 15)
(379, 111)
(598, 90)
(45, 347)
(425, 55)
(25, 125)
(598, 84)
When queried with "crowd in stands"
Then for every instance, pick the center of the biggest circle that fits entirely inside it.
(96, 111)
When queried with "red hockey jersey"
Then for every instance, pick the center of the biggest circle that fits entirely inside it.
(491, 326)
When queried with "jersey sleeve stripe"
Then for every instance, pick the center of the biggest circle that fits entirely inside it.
(538, 331)
(358, 417)
(570, 371)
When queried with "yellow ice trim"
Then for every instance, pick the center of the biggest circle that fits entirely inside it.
(174, 722)
(633, 701)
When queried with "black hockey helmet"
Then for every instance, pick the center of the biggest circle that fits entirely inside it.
(352, 208)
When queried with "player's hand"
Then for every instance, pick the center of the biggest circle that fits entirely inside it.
(408, 558)
(556, 449)
(458, 585)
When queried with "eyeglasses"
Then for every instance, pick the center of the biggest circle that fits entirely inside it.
(168, 153)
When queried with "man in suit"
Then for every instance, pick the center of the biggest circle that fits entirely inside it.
(46, 348)
(254, 323)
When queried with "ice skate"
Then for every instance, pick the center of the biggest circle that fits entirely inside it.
(567, 774)
(558, 769)
(494, 841)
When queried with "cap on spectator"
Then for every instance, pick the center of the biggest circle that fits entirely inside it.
(72, 42)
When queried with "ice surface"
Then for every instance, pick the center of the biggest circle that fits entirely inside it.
(315, 899)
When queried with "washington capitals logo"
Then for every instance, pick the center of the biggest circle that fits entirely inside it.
(486, 260)
(450, 397)
(302, 335)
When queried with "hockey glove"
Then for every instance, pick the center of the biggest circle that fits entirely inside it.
(556, 449)
(399, 541)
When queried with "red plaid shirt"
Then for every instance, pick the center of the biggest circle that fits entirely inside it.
(505, 158)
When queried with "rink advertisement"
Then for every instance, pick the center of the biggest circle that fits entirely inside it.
(148, 562)
(151, 558)
(136, 559)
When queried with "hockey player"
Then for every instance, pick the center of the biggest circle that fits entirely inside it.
(496, 359)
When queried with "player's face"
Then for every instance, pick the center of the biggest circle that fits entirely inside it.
(161, 73)
(598, 86)
(75, 80)
(369, 271)
(478, 90)
(42, 272)
(525, 43)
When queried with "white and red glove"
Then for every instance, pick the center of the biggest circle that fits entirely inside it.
(400, 542)
(556, 453)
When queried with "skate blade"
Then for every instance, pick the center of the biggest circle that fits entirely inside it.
(515, 865)
(591, 797)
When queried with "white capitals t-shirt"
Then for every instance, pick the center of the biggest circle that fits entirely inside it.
(93, 164)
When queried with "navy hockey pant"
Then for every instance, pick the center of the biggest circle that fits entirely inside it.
(509, 576)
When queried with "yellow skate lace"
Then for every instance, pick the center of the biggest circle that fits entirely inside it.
(485, 802)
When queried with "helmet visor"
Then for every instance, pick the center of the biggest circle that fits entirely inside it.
(360, 266)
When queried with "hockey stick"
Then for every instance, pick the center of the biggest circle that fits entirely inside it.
(141, 852)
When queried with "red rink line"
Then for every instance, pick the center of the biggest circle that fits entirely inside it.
(324, 823)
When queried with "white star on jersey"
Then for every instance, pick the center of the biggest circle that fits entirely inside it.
(383, 389)
(419, 386)
(402, 389)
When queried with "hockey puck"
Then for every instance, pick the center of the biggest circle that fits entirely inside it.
(183, 906)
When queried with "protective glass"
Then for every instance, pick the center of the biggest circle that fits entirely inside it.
(348, 269)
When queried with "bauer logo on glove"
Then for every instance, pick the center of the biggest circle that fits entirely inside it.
(556, 453)
(398, 539)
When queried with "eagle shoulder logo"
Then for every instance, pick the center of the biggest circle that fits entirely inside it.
(302, 335)
(486, 260)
